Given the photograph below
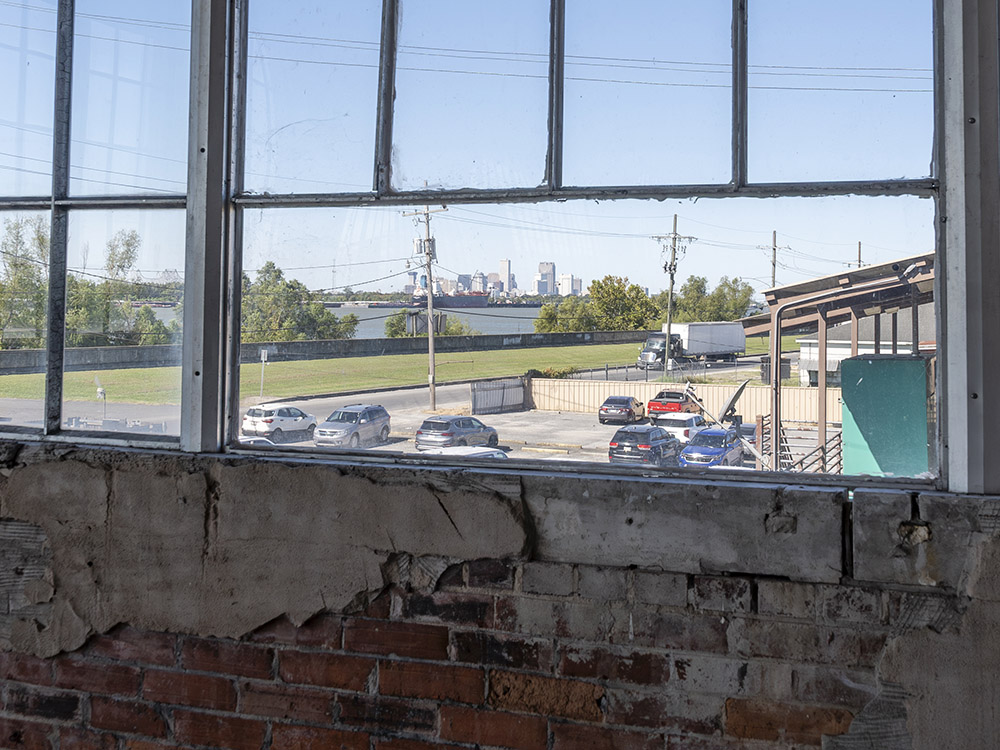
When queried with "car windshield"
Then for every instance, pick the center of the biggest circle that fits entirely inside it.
(616, 402)
(343, 416)
(656, 344)
(669, 396)
(708, 441)
(260, 413)
(676, 422)
(435, 425)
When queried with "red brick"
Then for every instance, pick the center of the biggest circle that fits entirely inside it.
(548, 696)
(283, 702)
(763, 720)
(459, 608)
(491, 574)
(413, 745)
(321, 631)
(390, 714)
(23, 668)
(432, 681)
(182, 689)
(492, 728)
(129, 644)
(126, 716)
(684, 712)
(24, 735)
(95, 677)
(396, 639)
(31, 702)
(577, 737)
(205, 655)
(285, 737)
(136, 744)
(635, 667)
(71, 738)
(231, 732)
(329, 670)
(481, 648)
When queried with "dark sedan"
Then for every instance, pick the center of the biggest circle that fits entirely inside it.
(624, 409)
(644, 445)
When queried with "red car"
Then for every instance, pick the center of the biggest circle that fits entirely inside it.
(671, 402)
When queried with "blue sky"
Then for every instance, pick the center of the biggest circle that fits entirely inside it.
(838, 91)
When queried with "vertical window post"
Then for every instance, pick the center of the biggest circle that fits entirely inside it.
(207, 219)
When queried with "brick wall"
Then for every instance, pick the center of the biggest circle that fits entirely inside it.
(490, 654)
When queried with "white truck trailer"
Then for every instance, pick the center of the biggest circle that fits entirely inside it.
(694, 341)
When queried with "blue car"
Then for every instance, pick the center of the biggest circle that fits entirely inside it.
(712, 447)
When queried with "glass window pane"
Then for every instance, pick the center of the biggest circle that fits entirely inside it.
(337, 301)
(24, 275)
(27, 57)
(124, 300)
(840, 91)
(130, 97)
(648, 92)
(471, 95)
(312, 91)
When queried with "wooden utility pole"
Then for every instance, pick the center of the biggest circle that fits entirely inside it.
(427, 245)
(671, 268)
(859, 254)
(774, 258)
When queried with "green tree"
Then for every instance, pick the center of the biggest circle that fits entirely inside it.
(569, 314)
(24, 258)
(395, 325)
(695, 303)
(149, 329)
(278, 309)
(621, 306)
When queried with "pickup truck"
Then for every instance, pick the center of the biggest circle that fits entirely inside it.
(669, 402)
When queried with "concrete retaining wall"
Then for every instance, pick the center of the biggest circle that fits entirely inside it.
(16, 361)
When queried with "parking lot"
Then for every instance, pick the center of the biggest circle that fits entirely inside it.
(535, 435)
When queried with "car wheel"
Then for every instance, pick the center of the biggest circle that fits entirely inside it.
(277, 437)
(384, 435)
(600, 420)
(493, 442)
(355, 440)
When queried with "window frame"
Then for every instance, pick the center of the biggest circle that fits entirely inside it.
(965, 177)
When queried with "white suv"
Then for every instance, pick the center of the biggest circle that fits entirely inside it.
(682, 425)
(278, 422)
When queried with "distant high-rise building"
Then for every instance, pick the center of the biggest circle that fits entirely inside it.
(506, 277)
(494, 283)
(465, 281)
(540, 285)
(478, 282)
(566, 285)
(547, 271)
(577, 286)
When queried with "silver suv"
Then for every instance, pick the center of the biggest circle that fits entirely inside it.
(353, 425)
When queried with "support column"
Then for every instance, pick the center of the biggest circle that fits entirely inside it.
(821, 383)
(854, 334)
(968, 260)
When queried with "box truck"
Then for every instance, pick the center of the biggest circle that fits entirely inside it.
(694, 341)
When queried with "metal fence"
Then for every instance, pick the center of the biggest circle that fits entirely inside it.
(498, 396)
(681, 372)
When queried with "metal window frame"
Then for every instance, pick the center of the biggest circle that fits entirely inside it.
(966, 178)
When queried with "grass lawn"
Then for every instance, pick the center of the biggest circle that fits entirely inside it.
(161, 385)
(762, 344)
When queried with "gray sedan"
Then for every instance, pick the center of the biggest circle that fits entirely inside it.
(440, 432)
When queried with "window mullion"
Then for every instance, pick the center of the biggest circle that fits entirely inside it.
(740, 84)
(59, 230)
(557, 81)
(207, 206)
(386, 96)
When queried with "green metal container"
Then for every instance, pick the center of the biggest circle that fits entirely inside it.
(889, 415)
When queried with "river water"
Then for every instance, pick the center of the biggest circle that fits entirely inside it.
(486, 320)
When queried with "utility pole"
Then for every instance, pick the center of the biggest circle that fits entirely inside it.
(774, 258)
(429, 257)
(671, 268)
(859, 254)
